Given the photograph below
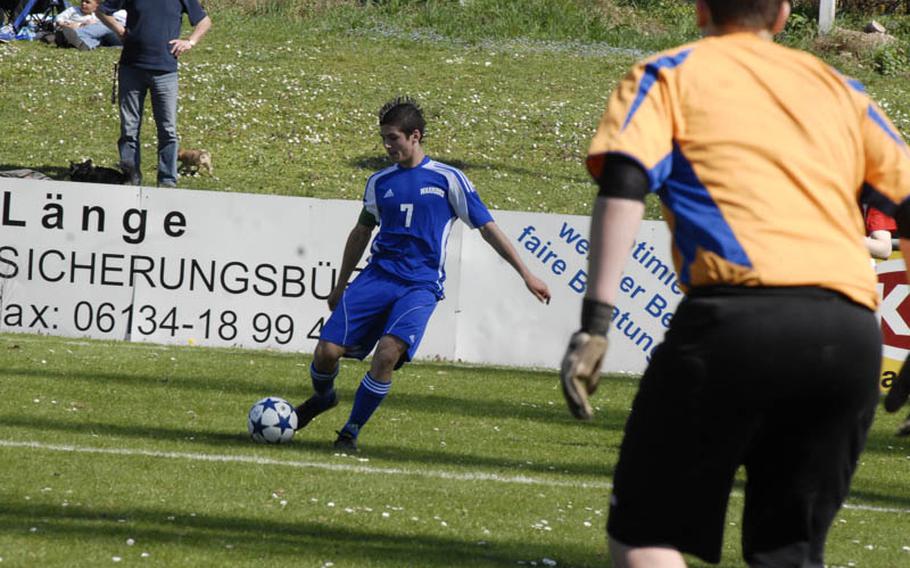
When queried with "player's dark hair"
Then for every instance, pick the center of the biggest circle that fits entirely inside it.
(404, 113)
(759, 14)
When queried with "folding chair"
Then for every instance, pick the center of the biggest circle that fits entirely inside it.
(8, 11)
(46, 8)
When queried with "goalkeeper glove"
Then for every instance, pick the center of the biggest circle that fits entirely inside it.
(900, 390)
(580, 370)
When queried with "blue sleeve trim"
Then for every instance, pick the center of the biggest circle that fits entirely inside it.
(857, 86)
(878, 119)
(652, 70)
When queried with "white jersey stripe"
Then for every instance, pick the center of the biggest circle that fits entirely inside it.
(443, 254)
(456, 193)
(369, 194)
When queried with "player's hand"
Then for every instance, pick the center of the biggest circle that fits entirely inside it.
(900, 390)
(580, 372)
(180, 46)
(539, 288)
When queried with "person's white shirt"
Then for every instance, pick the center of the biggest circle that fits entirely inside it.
(74, 15)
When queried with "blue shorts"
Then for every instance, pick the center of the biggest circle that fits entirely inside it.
(376, 304)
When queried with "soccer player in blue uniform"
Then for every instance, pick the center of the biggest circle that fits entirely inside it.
(415, 202)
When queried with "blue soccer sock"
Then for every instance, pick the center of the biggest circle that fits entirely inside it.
(370, 395)
(324, 383)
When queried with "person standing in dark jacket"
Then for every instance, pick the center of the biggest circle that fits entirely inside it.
(151, 47)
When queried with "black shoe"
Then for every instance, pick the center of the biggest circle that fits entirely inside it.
(313, 407)
(131, 174)
(346, 441)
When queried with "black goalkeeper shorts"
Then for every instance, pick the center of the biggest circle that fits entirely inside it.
(783, 381)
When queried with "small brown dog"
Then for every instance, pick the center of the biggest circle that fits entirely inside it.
(194, 161)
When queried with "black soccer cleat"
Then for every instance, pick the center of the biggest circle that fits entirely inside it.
(313, 407)
(346, 441)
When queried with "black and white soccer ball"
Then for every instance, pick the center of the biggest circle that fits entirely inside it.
(272, 420)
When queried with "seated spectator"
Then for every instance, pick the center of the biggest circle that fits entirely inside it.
(78, 27)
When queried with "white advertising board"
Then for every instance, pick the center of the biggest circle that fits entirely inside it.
(229, 269)
(61, 248)
(500, 322)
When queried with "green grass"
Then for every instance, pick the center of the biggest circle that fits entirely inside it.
(430, 487)
(285, 102)
(284, 96)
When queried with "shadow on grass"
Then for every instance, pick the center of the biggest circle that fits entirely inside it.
(111, 431)
(275, 539)
(857, 497)
(597, 466)
(374, 163)
(860, 497)
(886, 442)
(53, 172)
(425, 403)
(303, 448)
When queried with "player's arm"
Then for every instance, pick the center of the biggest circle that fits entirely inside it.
(500, 243)
(354, 247)
(633, 139)
(615, 221)
(181, 46)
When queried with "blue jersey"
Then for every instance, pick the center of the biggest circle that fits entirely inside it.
(416, 208)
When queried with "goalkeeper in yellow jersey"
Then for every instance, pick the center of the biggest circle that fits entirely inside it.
(760, 155)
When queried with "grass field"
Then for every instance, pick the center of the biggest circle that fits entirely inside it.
(284, 94)
(138, 454)
(117, 453)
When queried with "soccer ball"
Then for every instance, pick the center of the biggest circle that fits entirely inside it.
(272, 420)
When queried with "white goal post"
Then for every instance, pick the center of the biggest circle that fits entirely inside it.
(826, 9)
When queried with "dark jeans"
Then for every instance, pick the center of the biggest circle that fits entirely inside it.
(134, 85)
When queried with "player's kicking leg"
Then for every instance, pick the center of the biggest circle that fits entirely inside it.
(323, 371)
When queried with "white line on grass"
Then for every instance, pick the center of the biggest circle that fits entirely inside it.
(449, 475)
(223, 458)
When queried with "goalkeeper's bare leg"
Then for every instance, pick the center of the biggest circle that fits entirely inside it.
(644, 557)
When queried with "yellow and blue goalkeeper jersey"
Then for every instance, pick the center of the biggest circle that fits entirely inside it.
(416, 208)
(760, 154)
